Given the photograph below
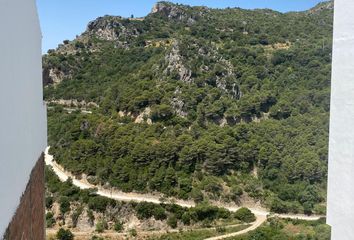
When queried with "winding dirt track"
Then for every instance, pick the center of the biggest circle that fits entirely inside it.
(260, 220)
(260, 214)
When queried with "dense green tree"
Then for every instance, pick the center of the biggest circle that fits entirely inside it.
(64, 234)
(245, 215)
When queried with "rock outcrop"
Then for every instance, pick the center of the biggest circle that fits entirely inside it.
(177, 103)
(52, 75)
(328, 5)
(176, 65)
(111, 28)
(176, 12)
(169, 10)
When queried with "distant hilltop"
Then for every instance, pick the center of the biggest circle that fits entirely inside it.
(323, 6)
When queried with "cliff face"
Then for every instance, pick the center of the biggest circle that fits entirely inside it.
(112, 29)
(171, 11)
(165, 8)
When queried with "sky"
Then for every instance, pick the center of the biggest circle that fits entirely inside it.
(64, 19)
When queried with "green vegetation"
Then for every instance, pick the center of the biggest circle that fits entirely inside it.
(273, 229)
(66, 193)
(147, 210)
(200, 234)
(289, 230)
(49, 218)
(64, 234)
(239, 102)
(245, 215)
(97, 238)
(75, 215)
(172, 221)
(101, 226)
(64, 205)
(174, 215)
(133, 232)
(118, 226)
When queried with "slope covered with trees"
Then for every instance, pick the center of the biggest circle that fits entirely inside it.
(198, 103)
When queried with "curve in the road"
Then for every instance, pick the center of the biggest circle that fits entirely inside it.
(261, 215)
(260, 220)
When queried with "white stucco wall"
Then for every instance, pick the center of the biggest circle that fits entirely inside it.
(341, 153)
(22, 111)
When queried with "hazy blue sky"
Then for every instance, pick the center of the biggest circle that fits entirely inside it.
(64, 19)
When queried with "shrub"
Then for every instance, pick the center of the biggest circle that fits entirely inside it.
(159, 213)
(144, 210)
(147, 210)
(133, 232)
(99, 203)
(49, 202)
(64, 205)
(75, 216)
(101, 226)
(118, 226)
(91, 217)
(245, 215)
(236, 193)
(221, 229)
(96, 238)
(64, 234)
(204, 211)
(320, 209)
(176, 210)
(308, 207)
(172, 221)
(161, 112)
(197, 195)
(279, 206)
(49, 219)
(186, 218)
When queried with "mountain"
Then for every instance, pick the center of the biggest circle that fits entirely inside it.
(327, 5)
(198, 103)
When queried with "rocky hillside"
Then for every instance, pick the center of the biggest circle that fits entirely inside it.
(198, 103)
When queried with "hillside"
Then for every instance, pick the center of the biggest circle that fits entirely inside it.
(205, 104)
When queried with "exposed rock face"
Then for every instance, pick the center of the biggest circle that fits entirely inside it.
(173, 11)
(56, 75)
(168, 10)
(83, 222)
(74, 103)
(112, 29)
(178, 104)
(46, 77)
(223, 78)
(105, 28)
(145, 115)
(175, 65)
(329, 5)
(53, 76)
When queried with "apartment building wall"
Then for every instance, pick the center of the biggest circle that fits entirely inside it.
(341, 147)
(22, 121)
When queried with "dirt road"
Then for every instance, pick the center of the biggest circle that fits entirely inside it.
(260, 214)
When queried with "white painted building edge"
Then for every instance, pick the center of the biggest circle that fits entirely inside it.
(23, 115)
(340, 214)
